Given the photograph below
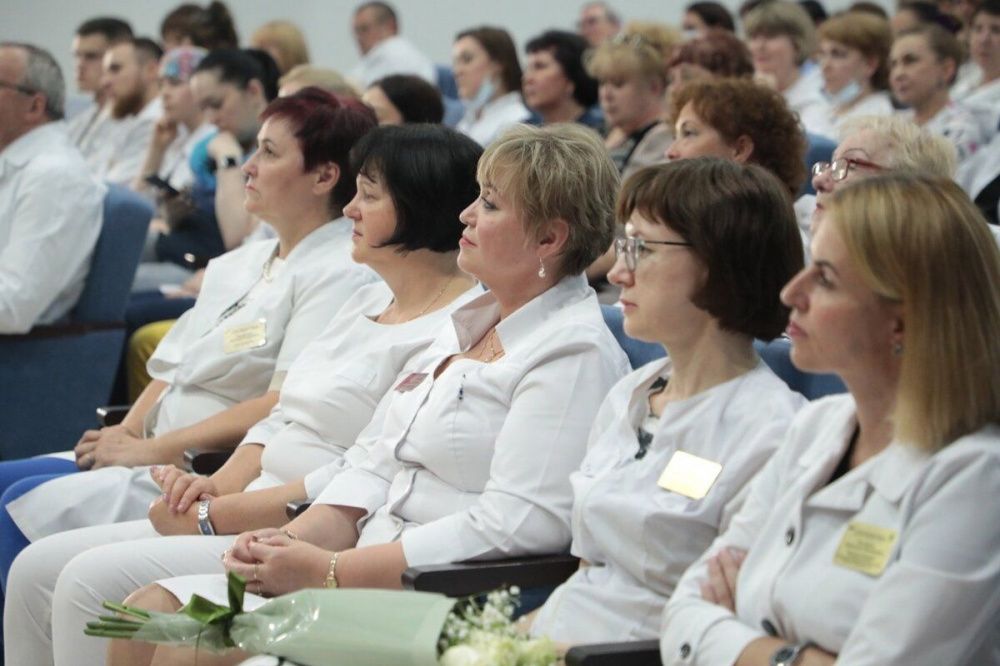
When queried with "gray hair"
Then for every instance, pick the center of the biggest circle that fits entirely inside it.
(43, 75)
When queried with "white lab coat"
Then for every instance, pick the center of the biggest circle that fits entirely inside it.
(486, 124)
(315, 280)
(51, 211)
(937, 601)
(874, 104)
(959, 125)
(395, 55)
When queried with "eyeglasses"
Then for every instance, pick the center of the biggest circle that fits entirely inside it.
(839, 168)
(631, 248)
(18, 87)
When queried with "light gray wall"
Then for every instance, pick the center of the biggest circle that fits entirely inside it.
(431, 24)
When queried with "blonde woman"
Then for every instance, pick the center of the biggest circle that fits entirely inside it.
(872, 536)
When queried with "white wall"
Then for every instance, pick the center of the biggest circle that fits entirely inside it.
(431, 24)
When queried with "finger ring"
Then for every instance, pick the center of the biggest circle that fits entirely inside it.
(260, 589)
(255, 576)
(225, 554)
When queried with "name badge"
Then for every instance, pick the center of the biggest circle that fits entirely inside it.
(865, 548)
(689, 475)
(244, 337)
(410, 382)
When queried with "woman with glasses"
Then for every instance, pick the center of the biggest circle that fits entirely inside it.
(872, 536)
(708, 244)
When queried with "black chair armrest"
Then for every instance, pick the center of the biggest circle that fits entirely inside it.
(110, 415)
(295, 508)
(465, 578)
(634, 653)
(205, 462)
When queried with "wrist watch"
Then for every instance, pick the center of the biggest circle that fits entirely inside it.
(787, 655)
(204, 524)
(227, 162)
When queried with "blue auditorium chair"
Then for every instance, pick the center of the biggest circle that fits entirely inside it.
(55, 376)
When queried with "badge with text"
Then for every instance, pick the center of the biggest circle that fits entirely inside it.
(244, 337)
(689, 475)
(865, 548)
(410, 382)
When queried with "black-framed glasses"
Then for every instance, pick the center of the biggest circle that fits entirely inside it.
(631, 248)
(839, 168)
(25, 90)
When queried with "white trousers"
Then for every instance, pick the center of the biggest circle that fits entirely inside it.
(58, 584)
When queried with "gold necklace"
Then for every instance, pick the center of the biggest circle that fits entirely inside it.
(426, 307)
(490, 347)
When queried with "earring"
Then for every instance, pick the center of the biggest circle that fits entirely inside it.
(541, 269)
(897, 349)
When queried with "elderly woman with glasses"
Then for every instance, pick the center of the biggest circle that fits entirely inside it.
(709, 243)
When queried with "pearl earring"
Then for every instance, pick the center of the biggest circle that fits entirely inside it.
(541, 269)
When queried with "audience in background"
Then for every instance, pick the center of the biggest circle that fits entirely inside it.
(488, 77)
(404, 98)
(556, 85)
(210, 27)
(284, 42)
(715, 53)
(981, 93)
(598, 23)
(50, 206)
(699, 17)
(383, 50)
(303, 76)
(92, 39)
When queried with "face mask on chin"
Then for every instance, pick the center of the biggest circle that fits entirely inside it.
(845, 95)
(482, 96)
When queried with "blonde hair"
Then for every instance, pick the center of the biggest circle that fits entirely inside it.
(920, 242)
(284, 40)
(328, 79)
(911, 147)
(560, 171)
(644, 50)
(773, 19)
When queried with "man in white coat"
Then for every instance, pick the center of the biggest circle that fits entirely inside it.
(383, 50)
(50, 207)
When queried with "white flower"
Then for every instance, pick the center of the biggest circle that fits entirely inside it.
(462, 655)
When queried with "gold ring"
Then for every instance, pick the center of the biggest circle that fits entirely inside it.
(255, 576)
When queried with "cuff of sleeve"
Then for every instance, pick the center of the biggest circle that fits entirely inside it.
(437, 542)
(262, 432)
(355, 488)
(277, 379)
(691, 643)
(319, 479)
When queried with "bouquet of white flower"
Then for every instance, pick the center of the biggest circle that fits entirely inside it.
(361, 627)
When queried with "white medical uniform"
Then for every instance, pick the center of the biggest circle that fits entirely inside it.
(486, 124)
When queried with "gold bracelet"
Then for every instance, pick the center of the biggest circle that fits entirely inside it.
(290, 534)
(331, 575)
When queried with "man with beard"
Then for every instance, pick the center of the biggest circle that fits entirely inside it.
(50, 207)
(92, 39)
(130, 83)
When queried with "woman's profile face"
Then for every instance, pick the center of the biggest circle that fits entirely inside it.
(984, 41)
(178, 102)
(544, 83)
(625, 99)
(385, 111)
(838, 324)
(915, 72)
(495, 247)
(841, 65)
(472, 66)
(374, 215)
(276, 183)
(224, 105)
(694, 137)
(773, 55)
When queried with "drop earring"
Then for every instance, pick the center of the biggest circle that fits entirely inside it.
(541, 269)
(897, 349)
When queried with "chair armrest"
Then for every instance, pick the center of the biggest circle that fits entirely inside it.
(465, 578)
(205, 462)
(633, 653)
(110, 415)
(295, 508)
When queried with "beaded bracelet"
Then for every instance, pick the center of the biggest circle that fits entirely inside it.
(290, 534)
(331, 574)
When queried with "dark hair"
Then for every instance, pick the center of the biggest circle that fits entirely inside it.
(741, 225)
(429, 172)
(500, 48)
(713, 14)
(567, 49)
(327, 127)
(991, 7)
(383, 12)
(417, 100)
(241, 66)
(816, 10)
(112, 29)
(719, 51)
(928, 12)
(209, 27)
(146, 49)
(943, 44)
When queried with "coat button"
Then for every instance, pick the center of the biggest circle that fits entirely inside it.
(768, 626)
(685, 650)
(789, 536)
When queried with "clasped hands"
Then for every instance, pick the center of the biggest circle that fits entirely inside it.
(274, 562)
(114, 445)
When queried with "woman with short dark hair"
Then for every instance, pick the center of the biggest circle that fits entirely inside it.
(555, 85)
(398, 99)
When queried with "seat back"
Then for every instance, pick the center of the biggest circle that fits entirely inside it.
(116, 255)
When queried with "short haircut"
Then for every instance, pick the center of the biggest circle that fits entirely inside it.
(943, 44)
(328, 79)
(43, 75)
(114, 30)
(500, 48)
(741, 226)
(567, 49)
(326, 128)
(867, 7)
(928, 12)
(642, 50)
(742, 107)
(713, 15)
(869, 34)
(417, 100)
(910, 146)
(991, 7)
(146, 50)
(285, 38)
(209, 27)
(384, 12)
(918, 241)
(773, 19)
(241, 66)
(719, 51)
(429, 172)
(610, 14)
(559, 171)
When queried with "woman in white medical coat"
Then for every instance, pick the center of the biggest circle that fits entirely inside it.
(873, 535)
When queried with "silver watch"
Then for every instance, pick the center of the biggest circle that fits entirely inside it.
(787, 655)
(204, 524)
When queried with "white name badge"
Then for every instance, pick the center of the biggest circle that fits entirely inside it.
(244, 337)
(689, 475)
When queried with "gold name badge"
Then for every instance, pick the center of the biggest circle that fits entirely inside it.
(244, 337)
(689, 475)
(865, 548)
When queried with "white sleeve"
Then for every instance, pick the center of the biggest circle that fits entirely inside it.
(526, 504)
(56, 221)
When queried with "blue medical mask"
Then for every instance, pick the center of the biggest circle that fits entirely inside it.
(483, 95)
(845, 95)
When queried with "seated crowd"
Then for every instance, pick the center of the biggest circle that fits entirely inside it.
(392, 293)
